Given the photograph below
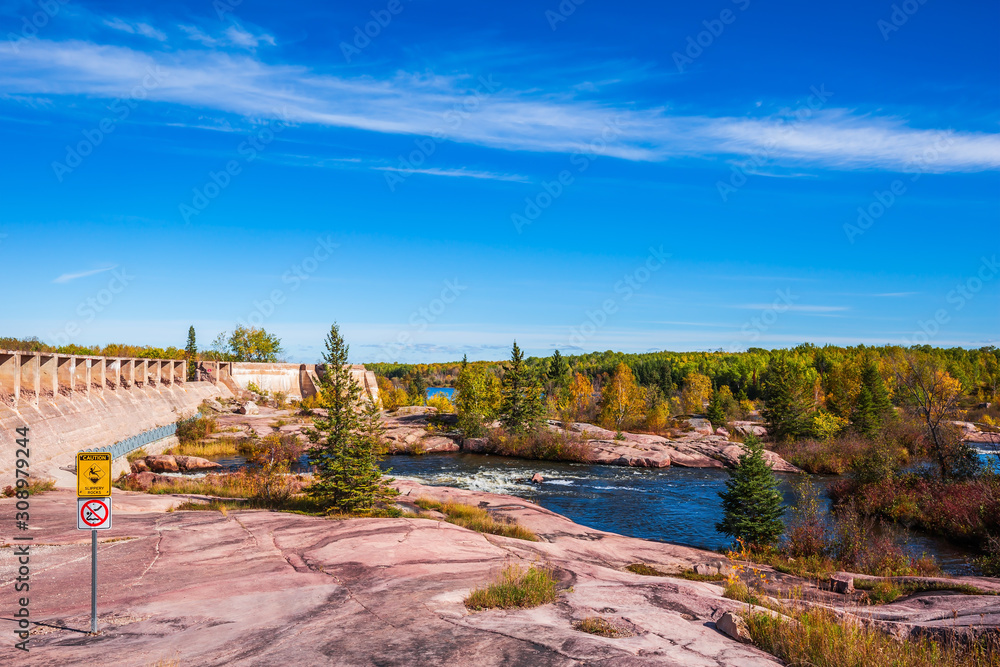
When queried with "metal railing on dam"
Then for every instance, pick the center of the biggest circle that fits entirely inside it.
(123, 447)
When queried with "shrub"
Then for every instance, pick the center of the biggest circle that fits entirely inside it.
(990, 563)
(542, 444)
(193, 430)
(136, 454)
(515, 588)
(806, 531)
(441, 402)
(33, 487)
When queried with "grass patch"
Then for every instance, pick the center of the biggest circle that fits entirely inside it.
(224, 446)
(136, 454)
(882, 591)
(597, 625)
(818, 638)
(476, 518)
(690, 575)
(515, 588)
(34, 487)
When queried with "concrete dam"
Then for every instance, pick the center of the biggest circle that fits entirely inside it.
(72, 403)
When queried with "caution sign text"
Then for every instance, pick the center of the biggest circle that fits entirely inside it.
(93, 474)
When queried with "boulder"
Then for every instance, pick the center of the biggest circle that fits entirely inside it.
(213, 405)
(194, 463)
(537, 478)
(248, 408)
(734, 626)
(474, 445)
(744, 428)
(841, 583)
(700, 425)
(706, 570)
(145, 480)
(438, 443)
(723, 432)
(162, 463)
(139, 465)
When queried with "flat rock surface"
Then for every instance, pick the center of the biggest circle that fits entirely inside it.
(266, 588)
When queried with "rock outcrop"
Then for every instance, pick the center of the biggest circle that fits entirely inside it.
(169, 463)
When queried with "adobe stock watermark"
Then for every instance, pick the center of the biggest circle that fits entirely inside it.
(626, 288)
(900, 14)
(562, 12)
(883, 200)
(714, 28)
(121, 108)
(88, 309)
(222, 179)
(550, 191)
(223, 7)
(420, 319)
(962, 294)
(381, 18)
(30, 25)
(758, 325)
(424, 147)
(299, 273)
(740, 174)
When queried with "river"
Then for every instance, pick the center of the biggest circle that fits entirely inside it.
(674, 504)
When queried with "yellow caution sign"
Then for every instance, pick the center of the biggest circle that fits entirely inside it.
(93, 474)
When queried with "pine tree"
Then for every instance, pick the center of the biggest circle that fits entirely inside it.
(521, 405)
(751, 503)
(716, 413)
(558, 370)
(191, 352)
(346, 444)
(786, 405)
(873, 406)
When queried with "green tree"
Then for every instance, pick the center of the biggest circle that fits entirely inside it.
(191, 354)
(558, 371)
(751, 503)
(521, 405)
(253, 344)
(418, 387)
(346, 445)
(477, 399)
(872, 407)
(716, 412)
(786, 404)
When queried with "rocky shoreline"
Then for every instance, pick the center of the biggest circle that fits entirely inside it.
(418, 430)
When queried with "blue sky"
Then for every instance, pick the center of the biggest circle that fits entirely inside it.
(636, 176)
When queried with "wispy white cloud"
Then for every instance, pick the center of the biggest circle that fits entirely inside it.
(143, 29)
(69, 277)
(234, 35)
(418, 104)
(794, 307)
(461, 173)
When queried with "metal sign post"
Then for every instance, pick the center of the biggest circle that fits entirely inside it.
(93, 509)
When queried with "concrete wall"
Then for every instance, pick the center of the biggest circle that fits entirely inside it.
(296, 381)
(70, 403)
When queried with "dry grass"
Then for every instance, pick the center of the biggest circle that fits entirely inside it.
(690, 575)
(597, 625)
(34, 487)
(224, 446)
(515, 588)
(476, 518)
(818, 638)
(882, 591)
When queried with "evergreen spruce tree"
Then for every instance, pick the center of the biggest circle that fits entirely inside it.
(191, 352)
(558, 371)
(716, 413)
(751, 503)
(873, 407)
(786, 403)
(345, 444)
(521, 405)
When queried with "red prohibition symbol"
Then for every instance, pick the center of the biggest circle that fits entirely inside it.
(94, 513)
